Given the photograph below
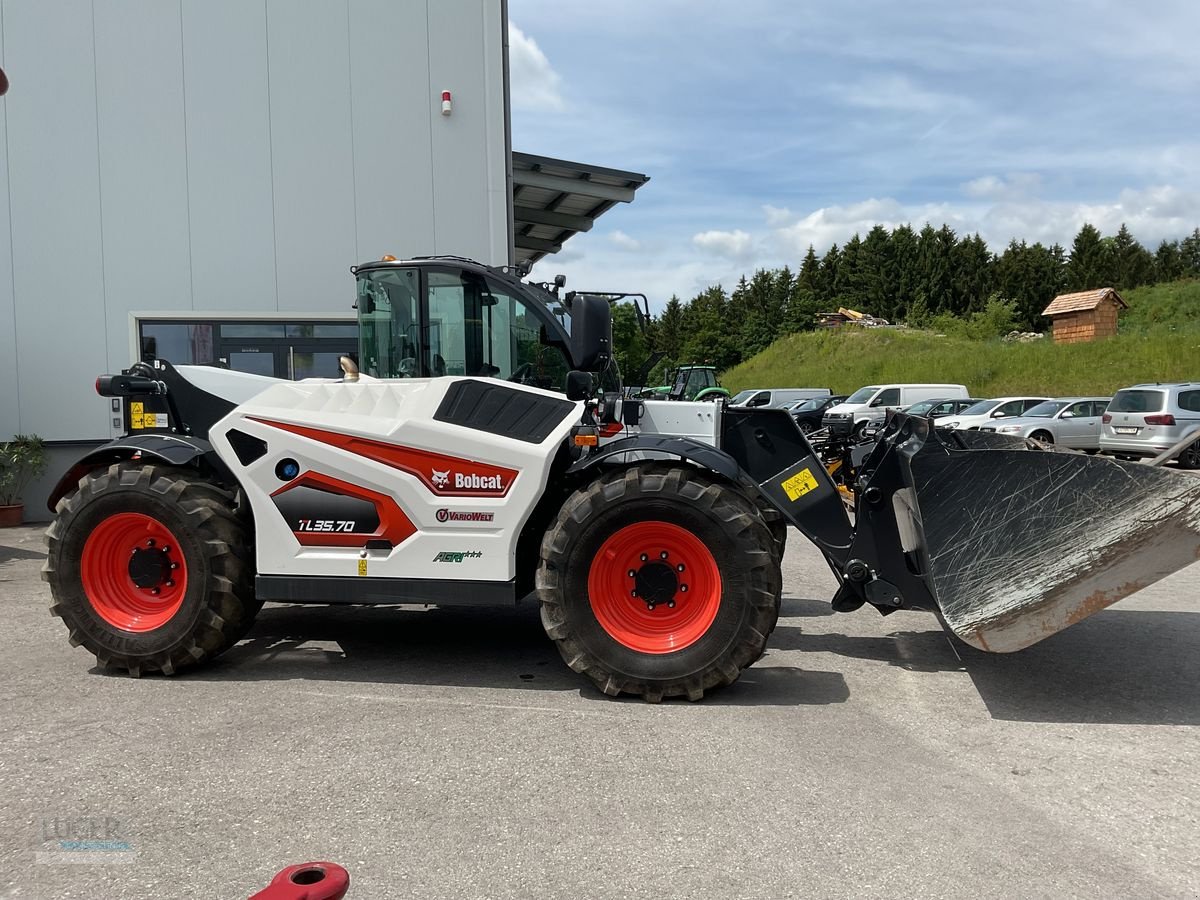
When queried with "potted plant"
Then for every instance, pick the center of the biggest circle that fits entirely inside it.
(21, 460)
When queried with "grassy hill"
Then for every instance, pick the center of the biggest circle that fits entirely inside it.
(1159, 340)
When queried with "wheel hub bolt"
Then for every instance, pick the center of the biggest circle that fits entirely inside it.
(644, 557)
(683, 588)
(174, 565)
(650, 606)
(170, 583)
(150, 542)
(670, 604)
(663, 555)
(155, 591)
(632, 574)
(679, 568)
(633, 593)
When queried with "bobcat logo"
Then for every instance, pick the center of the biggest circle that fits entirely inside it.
(441, 479)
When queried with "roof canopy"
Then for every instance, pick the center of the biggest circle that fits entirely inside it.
(1083, 300)
(554, 199)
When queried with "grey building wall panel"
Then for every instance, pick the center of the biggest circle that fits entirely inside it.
(143, 162)
(312, 160)
(54, 196)
(210, 157)
(231, 213)
(468, 164)
(389, 71)
(10, 422)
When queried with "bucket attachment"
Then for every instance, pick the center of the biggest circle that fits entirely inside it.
(1015, 543)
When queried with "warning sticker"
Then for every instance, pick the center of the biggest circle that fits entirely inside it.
(799, 484)
(135, 420)
(136, 407)
(160, 420)
(362, 567)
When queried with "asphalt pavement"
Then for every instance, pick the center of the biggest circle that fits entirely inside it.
(450, 753)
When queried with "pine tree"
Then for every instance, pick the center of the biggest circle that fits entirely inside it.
(874, 273)
(1090, 264)
(828, 278)
(903, 274)
(1189, 254)
(1168, 262)
(1132, 265)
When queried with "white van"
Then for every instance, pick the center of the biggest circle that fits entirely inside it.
(774, 398)
(852, 415)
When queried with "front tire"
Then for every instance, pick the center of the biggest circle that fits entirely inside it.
(144, 569)
(659, 581)
(1044, 437)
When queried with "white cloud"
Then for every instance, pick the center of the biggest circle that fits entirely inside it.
(623, 241)
(898, 93)
(534, 84)
(776, 215)
(992, 187)
(729, 244)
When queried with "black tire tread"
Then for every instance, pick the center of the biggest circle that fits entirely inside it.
(741, 520)
(230, 604)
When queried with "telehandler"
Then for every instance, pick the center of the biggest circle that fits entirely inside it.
(480, 452)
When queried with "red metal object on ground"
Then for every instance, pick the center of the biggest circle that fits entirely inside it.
(307, 881)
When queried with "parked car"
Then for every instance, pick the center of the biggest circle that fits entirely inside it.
(983, 412)
(808, 413)
(776, 398)
(1146, 419)
(1068, 421)
(938, 408)
(865, 404)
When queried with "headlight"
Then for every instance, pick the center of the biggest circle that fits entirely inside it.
(1009, 428)
(947, 424)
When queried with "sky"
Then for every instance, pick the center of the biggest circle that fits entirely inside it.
(769, 126)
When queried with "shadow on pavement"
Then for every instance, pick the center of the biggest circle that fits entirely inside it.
(799, 606)
(489, 648)
(1131, 667)
(11, 554)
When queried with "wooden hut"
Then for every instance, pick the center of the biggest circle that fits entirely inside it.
(1085, 316)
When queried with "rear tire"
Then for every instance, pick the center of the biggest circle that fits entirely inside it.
(650, 520)
(1190, 457)
(146, 570)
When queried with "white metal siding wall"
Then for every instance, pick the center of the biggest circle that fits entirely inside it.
(215, 156)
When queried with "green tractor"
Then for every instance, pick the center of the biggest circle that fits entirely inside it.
(688, 383)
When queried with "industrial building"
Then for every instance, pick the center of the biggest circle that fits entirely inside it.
(192, 179)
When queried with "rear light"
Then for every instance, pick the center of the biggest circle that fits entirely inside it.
(1168, 419)
(1106, 418)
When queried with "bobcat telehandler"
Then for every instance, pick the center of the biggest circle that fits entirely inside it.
(480, 451)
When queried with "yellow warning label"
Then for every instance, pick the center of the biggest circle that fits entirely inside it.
(799, 484)
(136, 407)
(135, 420)
(362, 567)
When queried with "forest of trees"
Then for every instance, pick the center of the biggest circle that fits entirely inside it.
(915, 277)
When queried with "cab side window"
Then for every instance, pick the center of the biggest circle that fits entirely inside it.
(889, 397)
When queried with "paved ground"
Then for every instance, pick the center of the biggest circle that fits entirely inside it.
(451, 754)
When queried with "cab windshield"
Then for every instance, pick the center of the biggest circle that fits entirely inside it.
(982, 408)
(863, 394)
(808, 405)
(459, 323)
(1045, 410)
(741, 397)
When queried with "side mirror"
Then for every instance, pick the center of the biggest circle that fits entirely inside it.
(1067, 415)
(878, 401)
(998, 415)
(3, 83)
(591, 333)
(579, 385)
(365, 304)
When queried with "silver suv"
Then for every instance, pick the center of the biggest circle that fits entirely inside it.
(1146, 419)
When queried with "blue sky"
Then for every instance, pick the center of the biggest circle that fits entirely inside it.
(767, 126)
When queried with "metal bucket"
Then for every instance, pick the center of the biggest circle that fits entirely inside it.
(1018, 543)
